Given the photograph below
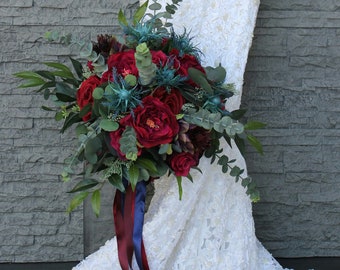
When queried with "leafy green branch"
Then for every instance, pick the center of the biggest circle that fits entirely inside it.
(237, 172)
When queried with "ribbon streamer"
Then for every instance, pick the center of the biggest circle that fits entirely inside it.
(128, 212)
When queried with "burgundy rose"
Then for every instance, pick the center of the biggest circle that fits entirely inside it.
(173, 99)
(159, 58)
(153, 122)
(123, 62)
(182, 64)
(181, 163)
(84, 93)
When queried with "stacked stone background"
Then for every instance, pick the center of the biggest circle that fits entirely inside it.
(33, 223)
(292, 83)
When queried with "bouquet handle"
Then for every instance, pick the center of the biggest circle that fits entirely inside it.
(128, 213)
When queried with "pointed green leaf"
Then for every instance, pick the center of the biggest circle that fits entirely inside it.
(140, 13)
(255, 143)
(146, 164)
(65, 89)
(77, 67)
(46, 74)
(133, 175)
(32, 83)
(86, 109)
(70, 120)
(122, 19)
(200, 78)
(65, 72)
(95, 202)
(116, 181)
(76, 201)
(84, 184)
(238, 114)
(240, 144)
(45, 108)
(252, 125)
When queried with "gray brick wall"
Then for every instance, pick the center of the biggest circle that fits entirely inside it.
(33, 223)
(292, 83)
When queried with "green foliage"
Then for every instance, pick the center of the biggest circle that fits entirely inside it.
(146, 69)
(180, 189)
(95, 202)
(76, 201)
(208, 120)
(108, 125)
(84, 184)
(128, 143)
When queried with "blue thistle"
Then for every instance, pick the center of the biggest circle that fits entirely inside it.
(183, 43)
(143, 32)
(121, 97)
(166, 77)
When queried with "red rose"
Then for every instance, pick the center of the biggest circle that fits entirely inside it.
(84, 93)
(153, 122)
(159, 58)
(174, 99)
(181, 163)
(123, 62)
(184, 63)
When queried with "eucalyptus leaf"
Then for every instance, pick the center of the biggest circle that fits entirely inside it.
(155, 6)
(217, 74)
(81, 129)
(108, 125)
(98, 93)
(163, 149)
(128, 143)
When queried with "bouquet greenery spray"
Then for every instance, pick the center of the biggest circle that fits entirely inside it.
(142, 105)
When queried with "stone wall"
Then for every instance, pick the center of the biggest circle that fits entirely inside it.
(34, 225)
(292, 83)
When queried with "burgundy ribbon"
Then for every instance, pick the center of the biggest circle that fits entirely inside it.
(128, 212)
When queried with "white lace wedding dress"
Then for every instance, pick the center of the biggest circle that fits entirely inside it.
(212, 226)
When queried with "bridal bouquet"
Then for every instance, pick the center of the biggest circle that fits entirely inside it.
(143, 106)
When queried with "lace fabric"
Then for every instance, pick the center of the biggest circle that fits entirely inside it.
(212, 226)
